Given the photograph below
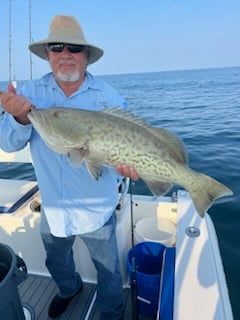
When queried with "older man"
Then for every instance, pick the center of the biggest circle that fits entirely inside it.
(72, 202)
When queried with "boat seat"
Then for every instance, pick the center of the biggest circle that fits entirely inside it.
(15, 193)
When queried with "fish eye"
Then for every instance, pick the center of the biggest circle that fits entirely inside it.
(58, 113)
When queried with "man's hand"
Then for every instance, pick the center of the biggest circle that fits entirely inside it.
(126, 171)
(16, 105)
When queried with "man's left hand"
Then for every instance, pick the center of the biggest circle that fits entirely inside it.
(126, 171)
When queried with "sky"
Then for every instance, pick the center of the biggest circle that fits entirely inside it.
(136, 35)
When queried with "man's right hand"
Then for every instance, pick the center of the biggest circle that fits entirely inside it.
(16, 105)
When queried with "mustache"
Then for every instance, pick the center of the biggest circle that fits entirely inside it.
(67, 62)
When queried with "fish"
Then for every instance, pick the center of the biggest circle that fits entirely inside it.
(112, 136)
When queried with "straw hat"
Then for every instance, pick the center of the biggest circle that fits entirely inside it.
(65, 29)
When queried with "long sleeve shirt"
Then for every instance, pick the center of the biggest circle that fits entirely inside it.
(73, 202)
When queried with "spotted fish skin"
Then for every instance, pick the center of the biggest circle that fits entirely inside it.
(112, 137)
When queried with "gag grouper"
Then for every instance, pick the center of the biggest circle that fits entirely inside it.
(112, 136)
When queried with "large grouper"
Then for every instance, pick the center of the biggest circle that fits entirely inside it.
(112, 137)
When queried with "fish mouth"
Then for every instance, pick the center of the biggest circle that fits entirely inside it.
(35, 117)
(30, 115)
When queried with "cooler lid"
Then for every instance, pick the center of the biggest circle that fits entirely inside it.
(14, 193)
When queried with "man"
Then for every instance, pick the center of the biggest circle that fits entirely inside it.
(72, 202)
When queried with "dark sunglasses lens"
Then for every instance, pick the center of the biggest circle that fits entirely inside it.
(73, 48)
(56, 47)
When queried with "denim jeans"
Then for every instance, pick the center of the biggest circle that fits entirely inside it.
(103, 250)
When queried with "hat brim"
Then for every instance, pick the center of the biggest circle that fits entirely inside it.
(39, 49)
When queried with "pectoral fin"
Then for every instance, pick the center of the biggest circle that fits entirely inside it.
(77, 155)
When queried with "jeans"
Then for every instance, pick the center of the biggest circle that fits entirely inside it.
(103, 250)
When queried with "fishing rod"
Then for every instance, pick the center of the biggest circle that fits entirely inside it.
(10, 40)
(30, 36)
(133, 260)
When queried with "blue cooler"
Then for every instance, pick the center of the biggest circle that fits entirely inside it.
(147, 257)
(166, 297)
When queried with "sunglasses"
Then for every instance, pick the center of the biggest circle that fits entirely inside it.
(59, 47)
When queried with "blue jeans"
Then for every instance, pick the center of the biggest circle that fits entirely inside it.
(103, 250)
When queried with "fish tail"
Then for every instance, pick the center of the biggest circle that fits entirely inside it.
(205, 190)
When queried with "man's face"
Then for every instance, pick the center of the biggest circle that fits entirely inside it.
(68, 66)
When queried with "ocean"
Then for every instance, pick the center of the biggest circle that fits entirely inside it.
(202, 108)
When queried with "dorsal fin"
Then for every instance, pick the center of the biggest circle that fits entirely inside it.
(126, 115)
(173, 144)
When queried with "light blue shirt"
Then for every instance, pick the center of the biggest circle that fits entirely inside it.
(74, 203)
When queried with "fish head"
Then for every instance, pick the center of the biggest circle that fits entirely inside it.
(58, 128)
(40, 121)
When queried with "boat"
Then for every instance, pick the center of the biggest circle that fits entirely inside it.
(192, 280)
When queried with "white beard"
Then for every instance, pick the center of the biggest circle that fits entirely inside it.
(68, 77)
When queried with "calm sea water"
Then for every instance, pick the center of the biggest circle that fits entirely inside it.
(202, 107)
